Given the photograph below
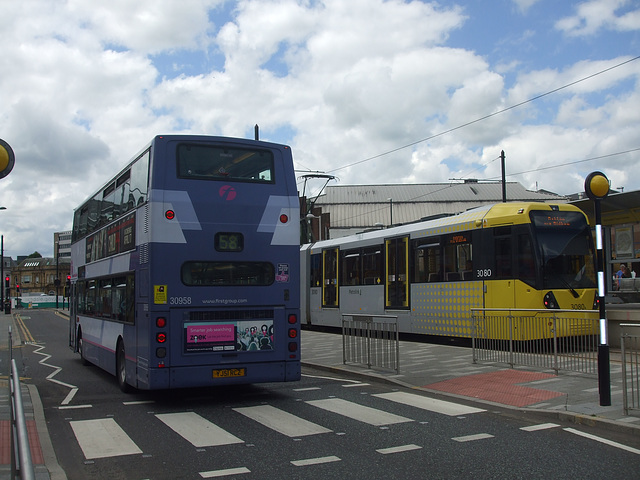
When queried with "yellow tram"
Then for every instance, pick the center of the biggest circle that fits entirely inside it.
(515, 262)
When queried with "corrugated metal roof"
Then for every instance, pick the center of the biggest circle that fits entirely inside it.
(431, 192)
(353, 208)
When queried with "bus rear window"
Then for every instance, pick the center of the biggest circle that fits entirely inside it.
(229, 164)
(228, 274)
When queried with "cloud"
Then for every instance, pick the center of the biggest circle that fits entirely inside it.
(525, 5)
(355, 87)
(596, 15)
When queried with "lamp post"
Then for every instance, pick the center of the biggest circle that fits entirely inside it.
(390, 200)
(596, 187)
(4, 287)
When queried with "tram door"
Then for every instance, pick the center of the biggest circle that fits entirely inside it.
(330, 278)
(397, 273)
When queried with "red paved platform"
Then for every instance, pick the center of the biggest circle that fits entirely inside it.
(499, 387)
(34, 443)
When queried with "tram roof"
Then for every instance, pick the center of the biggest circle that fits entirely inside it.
(469, 220)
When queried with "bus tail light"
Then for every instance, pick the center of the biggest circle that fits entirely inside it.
(161, 337)
(293, 334)
(161, 322)
(170, 214)
(161, 352)
(284, 218)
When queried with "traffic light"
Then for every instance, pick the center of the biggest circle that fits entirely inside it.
(17, 289)
(6, 281)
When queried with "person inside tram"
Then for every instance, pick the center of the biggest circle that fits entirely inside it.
(623, 272)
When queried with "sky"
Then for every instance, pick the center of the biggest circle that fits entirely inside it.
(370, 91)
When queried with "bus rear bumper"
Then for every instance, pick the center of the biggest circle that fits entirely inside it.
(213, 375)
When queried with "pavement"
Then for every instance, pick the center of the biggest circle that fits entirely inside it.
(442, 370)
(449, 371)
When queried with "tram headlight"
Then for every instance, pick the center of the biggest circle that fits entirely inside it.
(550, 301)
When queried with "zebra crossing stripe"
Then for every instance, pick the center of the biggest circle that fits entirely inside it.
(430, 404)
(197, 430)
(103, 438)
(225, 472)
(400, 449)
(358, 412)
(281, 421)
(471, 438)
(315, 461)
(542, 426)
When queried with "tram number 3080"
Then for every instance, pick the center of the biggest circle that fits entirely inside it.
(483, 273)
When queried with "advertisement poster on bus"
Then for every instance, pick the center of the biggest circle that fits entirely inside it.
(245, 336)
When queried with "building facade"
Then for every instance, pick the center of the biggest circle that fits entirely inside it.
(35, 276)
(62, 243)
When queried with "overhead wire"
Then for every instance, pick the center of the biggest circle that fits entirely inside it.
(485, 117)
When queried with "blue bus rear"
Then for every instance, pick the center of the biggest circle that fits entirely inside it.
(215, 269)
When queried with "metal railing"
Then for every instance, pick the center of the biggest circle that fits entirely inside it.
(630, 356)
(371, 340)
(550, 339)
(21, 462)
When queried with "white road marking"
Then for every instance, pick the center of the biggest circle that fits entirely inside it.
(197, 430)
(399, 449)
(430, 404)
(471, 438)
(604, 440)
(103, 438)
(139, 402)
(358, 412)
(57, 370)
(224, 473)
(315, 461)
(542, 426)
(332, 378)
(281, 421)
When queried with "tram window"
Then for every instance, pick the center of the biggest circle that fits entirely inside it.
(330, 278)
(316, 271)
(350, 267)
(457, 257)
(427, 264)
(526, 266)
(372, 265)
(502, 247)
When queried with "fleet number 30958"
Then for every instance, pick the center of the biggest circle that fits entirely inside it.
(179, 300)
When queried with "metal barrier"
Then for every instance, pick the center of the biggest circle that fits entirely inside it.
(371, 340)
(550, 339)
(630, 355)
(21, 462)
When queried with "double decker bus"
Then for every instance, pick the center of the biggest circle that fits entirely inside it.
(185, 266)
